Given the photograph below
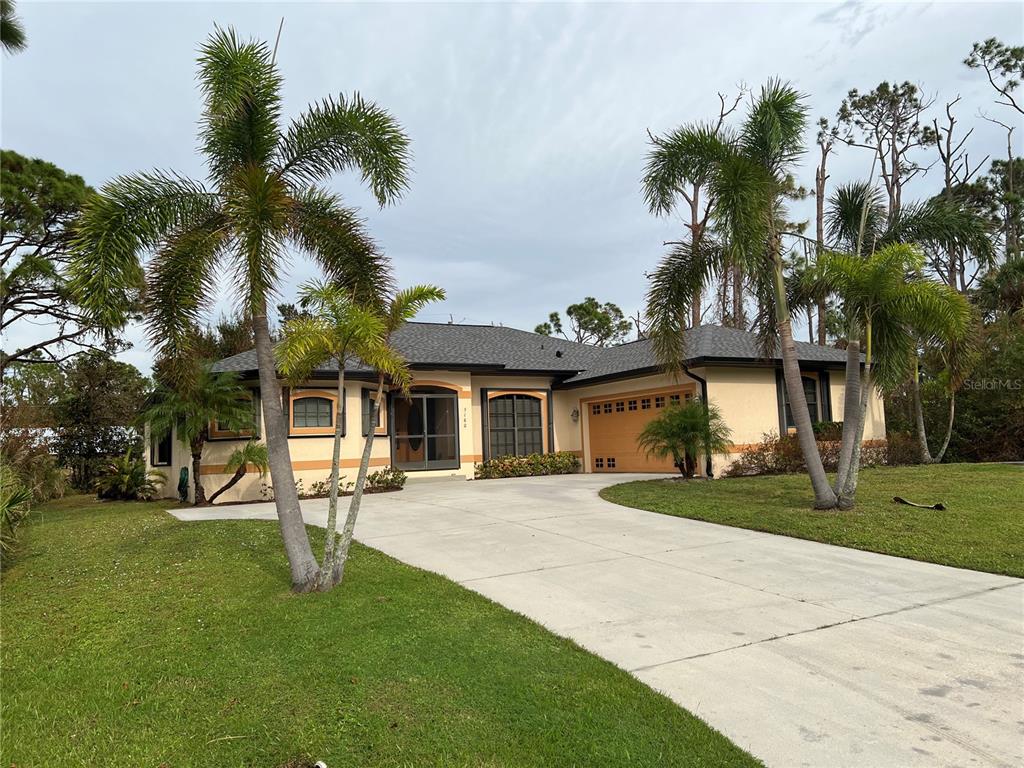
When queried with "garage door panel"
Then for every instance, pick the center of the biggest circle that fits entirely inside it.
(615, 425)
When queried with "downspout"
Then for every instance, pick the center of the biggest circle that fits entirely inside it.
(704, 399)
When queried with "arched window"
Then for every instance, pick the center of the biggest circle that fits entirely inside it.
(515, 426)
(312, 412)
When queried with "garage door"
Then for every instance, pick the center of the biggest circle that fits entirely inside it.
(615, 424)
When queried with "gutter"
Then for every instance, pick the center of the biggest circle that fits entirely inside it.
(704, 399)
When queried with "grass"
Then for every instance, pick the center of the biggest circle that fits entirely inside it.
(982, 527)
(132, 639)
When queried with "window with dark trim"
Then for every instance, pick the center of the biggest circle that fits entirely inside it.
(810, 392)
(312, 412)
(607, 407)
(160, 451)
(515, 426)
(367, 399)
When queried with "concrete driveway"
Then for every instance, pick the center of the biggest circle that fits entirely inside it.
(803, 653)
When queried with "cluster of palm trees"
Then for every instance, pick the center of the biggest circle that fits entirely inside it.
(874, 266)
(265, 198)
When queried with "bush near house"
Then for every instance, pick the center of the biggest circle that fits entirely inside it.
(383, 480)
(781, 455)
(558, 463)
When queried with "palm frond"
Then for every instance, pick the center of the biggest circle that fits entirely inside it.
(345, 134)
(686, 155)
(336, 238)
(773, 132)
(306, 342)
(180, 286)
(241, 90)
(252, 454)
(849, 206)
(12, 33)
(944, 225)
(407, 303)
(131, 215)
(679, 278)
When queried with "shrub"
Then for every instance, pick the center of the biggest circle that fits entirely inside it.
(126, 479)
(776, 455)
(828, 430)
(902, 448)
(386, 479)
(15, 500)
(27, 454)
(558, 463)
(682, 432)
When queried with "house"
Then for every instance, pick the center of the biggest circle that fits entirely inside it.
(484, 391)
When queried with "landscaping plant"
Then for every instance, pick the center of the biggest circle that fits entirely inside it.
(685, 431)
(252, 454)
(127, 479)
(557, 463)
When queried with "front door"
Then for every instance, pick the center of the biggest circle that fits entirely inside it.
(425, 431)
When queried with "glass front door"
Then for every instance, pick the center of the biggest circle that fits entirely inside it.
(425, 431)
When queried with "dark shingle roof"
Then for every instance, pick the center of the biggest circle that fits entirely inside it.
(484, 347)
(465, 346)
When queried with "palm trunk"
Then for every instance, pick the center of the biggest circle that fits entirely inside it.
(301, 561)
(949, 429)
(738, 321)
(824, 496)
(331, 537)
(821, 323)
(849, 490)
(197, 484)
(341, 556)
(239, 474)
(922, 436)
(851, 405)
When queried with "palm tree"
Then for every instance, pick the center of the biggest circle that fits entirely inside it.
(887, 299)
(749, 176)
(858, 221)
(402, 308)
(265, 195)
(12, 34)
(683, 432)
(335, 327)
(191, 405)
(252, 454)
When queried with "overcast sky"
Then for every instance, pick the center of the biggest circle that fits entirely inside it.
(528, 122)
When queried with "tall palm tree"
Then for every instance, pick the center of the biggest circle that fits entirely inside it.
(887, 298)
(264, 196)
(334, 328)
(749, 176)
(12, 33)
(402, 308)
(191, 405)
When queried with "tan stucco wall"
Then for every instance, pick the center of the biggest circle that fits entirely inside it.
(746, 396)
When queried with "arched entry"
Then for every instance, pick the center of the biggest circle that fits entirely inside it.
(425, 429)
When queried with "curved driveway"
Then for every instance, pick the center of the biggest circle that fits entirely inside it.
(802, 653)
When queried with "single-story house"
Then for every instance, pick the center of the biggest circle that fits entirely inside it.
(484, 391)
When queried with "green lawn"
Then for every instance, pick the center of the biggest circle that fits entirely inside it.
(131, 639)
(982, 527)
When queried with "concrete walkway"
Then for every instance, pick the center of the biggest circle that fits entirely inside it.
(803, 653)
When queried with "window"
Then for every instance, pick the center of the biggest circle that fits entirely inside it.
(632, 405)
(607, 407)
(689, 397)
(598, 463)
(312, 412)
(595, 409)
(160, 451)
(674, 399)
(515, 425)
(219, 429)
(380, 426)
(659, 401)
(645, 403)
(611, 463)
(810, 392)
(620, 406)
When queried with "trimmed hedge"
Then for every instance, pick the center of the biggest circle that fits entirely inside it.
(559, 463)
(776, 455)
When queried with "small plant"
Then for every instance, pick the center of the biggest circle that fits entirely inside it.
(558, 463)
(127, 479)
(385, 479)
(684, 432)
(252, 454)
(320, 488)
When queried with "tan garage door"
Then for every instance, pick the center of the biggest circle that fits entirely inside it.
(615, 424)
